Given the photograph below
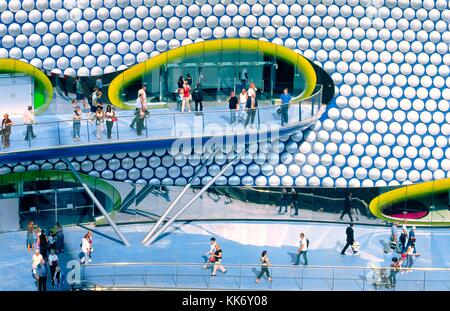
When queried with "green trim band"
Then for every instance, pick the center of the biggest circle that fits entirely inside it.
(53, 175)
(43, 89)
(134, 73)
(410, 192)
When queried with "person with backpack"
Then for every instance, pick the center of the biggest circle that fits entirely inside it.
(303, 249)
(265, 263)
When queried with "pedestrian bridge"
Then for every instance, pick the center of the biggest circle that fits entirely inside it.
(54, 135)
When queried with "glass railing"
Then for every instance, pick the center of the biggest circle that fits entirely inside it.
(242, 277)
(170, 125)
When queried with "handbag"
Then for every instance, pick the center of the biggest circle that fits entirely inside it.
(212, 259)
(114, 119)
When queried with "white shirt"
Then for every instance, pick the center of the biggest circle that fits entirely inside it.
(52, 257)
(304, 245)
(85, 245)
(251, 92)
(28, 117)
(36, 260)
(243, 98)
(212, 247)
(144, 95)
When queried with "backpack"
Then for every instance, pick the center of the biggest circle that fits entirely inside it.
(307, 243)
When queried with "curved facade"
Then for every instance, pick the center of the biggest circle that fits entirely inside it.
(389, 123)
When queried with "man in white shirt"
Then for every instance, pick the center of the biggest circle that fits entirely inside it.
(210, 253)
(140, 103)
(37, 257)
(303, 249)
(28, 119)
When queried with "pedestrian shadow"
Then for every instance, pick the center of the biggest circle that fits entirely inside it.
(293, 257)
(102, 234)
(255, 272)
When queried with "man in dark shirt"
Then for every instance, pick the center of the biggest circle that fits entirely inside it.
(350, 238)
(347, 207)
(197, 96)
(189, 79)
(285, 100)
(232, 104)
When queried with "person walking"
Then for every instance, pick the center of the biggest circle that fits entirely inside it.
(209, 255)
(265, 264)
(393, 239)
(197, 96)
(110, 117)
(403, 238)
(53, 263)
(347, 207)
(232, 105)
(6, 130)
(28, 120)
(284, 201)
(99, 121)
(244, 77)
(79, 92)
(77, 115)
(41, 275)
(59, 238)
(180, 83)
(140, 121)
(30, 236)
(186, 97)
(85, 248)
(252, 105)
(90, 238)
(410, 257)
(43, 244)
(58, 279)
(395, 268)
(35, 260)
(302, 250)
(285, 100)
(412, 238)
(218, 256)
(294, 201)
(350, 238)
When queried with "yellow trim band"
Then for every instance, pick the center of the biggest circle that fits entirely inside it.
(8, 65)
(132, 74)
(410, 192)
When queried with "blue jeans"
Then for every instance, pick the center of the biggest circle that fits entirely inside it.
(76, 129)
(305, 259)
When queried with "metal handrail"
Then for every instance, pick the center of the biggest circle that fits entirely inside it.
(252, 265)
(175, 113)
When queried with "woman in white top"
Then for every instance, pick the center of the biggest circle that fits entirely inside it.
(409, 257)
(243, 96)
(252, 93)
(99, 121)
(77, 115)
(85, 248)
(110, 116)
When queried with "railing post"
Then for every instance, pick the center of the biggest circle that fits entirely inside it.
(87, 130)
(117, 128)
(300, 111)
(114, 275)
(364, 280)
(424, 279)
(59, 134)
(146, 127)
(332, 281)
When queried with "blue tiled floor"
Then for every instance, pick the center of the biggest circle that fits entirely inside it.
(242, 244)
